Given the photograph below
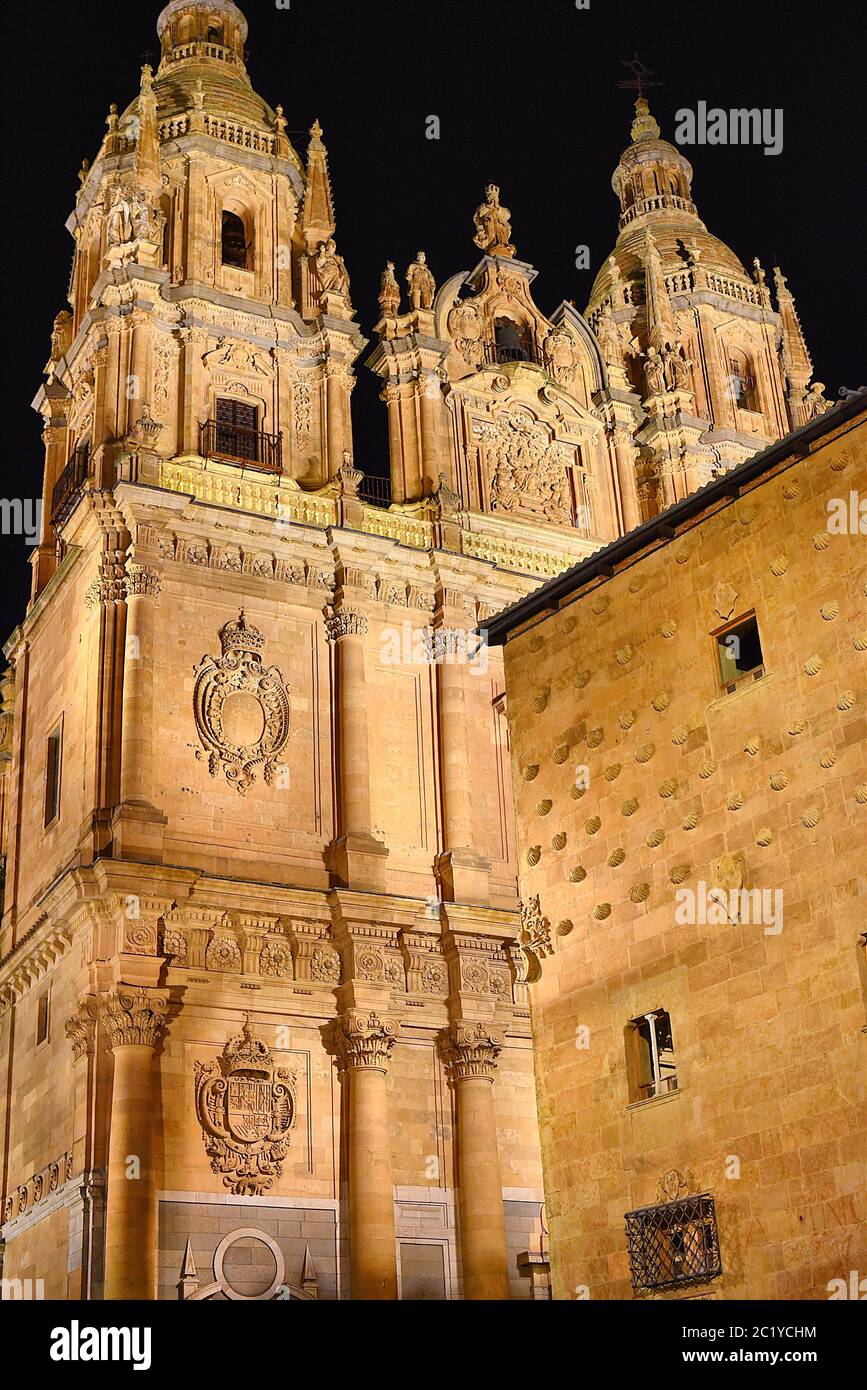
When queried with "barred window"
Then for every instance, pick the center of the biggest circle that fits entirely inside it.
(673, 1245)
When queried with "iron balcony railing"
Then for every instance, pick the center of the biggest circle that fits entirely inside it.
(240, 444)
(68, 486)
(674, 1244)
(375, 491)
(499, 354)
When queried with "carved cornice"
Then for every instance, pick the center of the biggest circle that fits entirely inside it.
(364, 1039)
(470, 1050)
(81, 1027)
(135, 1017)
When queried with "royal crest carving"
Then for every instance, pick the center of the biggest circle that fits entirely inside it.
(246, 1106)
(528, 471)
(241, 709)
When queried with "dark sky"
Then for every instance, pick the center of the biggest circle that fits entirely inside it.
(527, 94)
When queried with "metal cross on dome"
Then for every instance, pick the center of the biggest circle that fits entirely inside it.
(640, 76)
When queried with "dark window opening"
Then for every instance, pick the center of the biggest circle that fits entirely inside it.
(235, 246)
(42, 1018)
(512, 342)
(742, 384)
(237, 429)
(54, 759)
(739, 651)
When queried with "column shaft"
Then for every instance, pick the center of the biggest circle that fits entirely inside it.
(130, 1241)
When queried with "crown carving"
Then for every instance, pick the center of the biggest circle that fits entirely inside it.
(241, 636)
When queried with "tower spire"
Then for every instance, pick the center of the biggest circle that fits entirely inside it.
(147, 155)
(318, 221)
(661, 328)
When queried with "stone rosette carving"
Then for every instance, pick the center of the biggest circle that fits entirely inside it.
(470, 1050)
(276, 959)
(223, 953)
(364, 1038)
(135, 1017)
(246, 1105)
(241, 709)
(325, 965)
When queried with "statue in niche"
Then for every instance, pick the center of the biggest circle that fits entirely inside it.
(61, 335)
(493, 225)
(422, 285)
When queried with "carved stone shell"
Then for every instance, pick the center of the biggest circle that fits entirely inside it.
(752, 746)
(779, 781)
(624, 655)
(861, 794)
(764, 837)
(668, 789)
(561, 753)
(830, 611)
(735, 801)
(616, 858)
(629, 807)
(846, 701)
(602, 912)
(668, 628)
(691, 821)
(779, 565)
(593, 826)
(821, 540)
(536, 643)
(544, 808)
(531, 772)
(626, 720)
(859, 641)
(812, 818)
(612, 773)
(680, 735)
(581, 680)
(559, 841)
(541, 698)
(578, 874)
(595, 737)
(564, 928)
(828, 759)
(655, 839)
(707, 769)
(534, 855)
(640, 892)
(680, 873)
(661, 701)
(577, 792)
(813, 666)
(645, 754)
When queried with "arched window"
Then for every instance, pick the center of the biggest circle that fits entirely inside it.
(215, 31)
(236, 246)
(513, 342)
(742, 382)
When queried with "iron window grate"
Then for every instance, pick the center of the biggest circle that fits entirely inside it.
(674, 1245)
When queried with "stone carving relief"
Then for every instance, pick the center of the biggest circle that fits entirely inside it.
(465, 328)
(241, 709)
(528, 471)
(493, 225)
(560, 357)
(246, 1106)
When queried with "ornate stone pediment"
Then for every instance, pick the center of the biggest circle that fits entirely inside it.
(237, 358)
(246, 1106)
(241, 709)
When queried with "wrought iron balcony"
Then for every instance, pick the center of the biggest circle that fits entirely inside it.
(499, 354)
(68, 486)
(242, 445)
(674, 1244)
(375, 491)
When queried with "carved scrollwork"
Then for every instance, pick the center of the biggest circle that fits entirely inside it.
(470, 1050)
(241, 709)
(246, 1106)
(529, 471)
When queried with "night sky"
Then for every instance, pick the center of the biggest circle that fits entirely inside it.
(528, 97)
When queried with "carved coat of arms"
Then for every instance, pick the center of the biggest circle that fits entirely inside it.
(246, 1106)
(241, 709)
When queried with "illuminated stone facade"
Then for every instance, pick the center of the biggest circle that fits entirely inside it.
(255, 787)
(692, 873)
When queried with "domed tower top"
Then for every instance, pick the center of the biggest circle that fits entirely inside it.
(653, 182)
(202, 62)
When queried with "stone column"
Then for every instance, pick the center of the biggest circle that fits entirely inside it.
(134, 1019)
(359, 859)
(364, 1041)
(138, 826)
(462, 872)
(470, 1051)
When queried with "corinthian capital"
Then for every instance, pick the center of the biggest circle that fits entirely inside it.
(142, 582)
(471, 1050)
(134, 1017)
(346, 623)
(81, 1027)
(364, 1039)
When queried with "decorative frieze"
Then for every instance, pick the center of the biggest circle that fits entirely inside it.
(38, 1188)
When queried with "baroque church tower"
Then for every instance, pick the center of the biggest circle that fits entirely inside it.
(261, 972)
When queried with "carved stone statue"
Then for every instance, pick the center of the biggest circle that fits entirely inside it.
(422, 285)
(389, 293)
(608, 338)
(493, 225)
(654, 373)
(119, 217)
(331, 269)
(61, 335)
(815, 403)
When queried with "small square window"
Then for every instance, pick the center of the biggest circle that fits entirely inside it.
(739, 652)
(43, 1018)
(650, 1057)
(53, 768)
(673, 1245)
